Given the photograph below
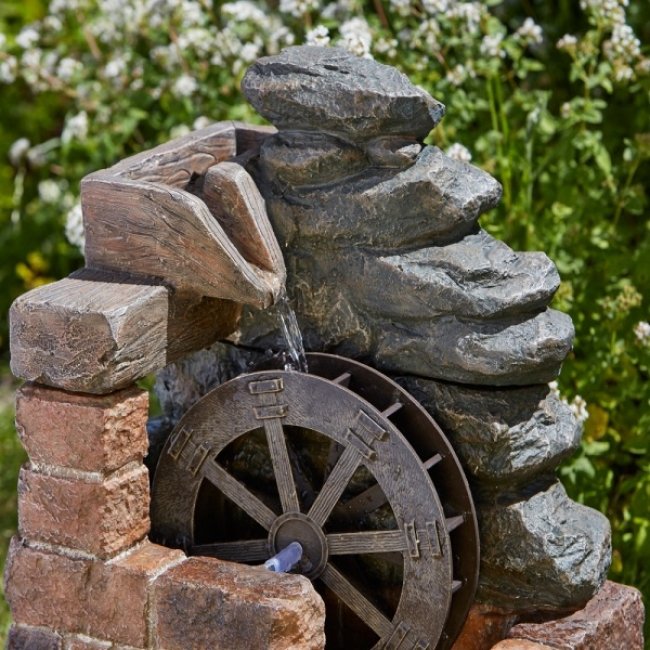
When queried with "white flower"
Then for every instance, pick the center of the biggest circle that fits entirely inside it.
(115, 68)
(28, 37)
(179, 131)
(471, 12)
(459, 152)
(554, 388)
(67, 68)
(18, 151)
(567, 42)
(243, 11)
(578, 407)
(320, 35)
(76, 128)
(356, 37)
(49, 191)
(201, 123)
(298, 8)
(185, 86)
(436, 6)
(8, 69)
(642, 332)
(401, 7)
(565, 110)
(457, 75)
(530, 32)
(74, 227)
(491, 46)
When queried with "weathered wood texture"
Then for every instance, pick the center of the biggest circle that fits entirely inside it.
(146, 216)
(97, 336)
(251, 136)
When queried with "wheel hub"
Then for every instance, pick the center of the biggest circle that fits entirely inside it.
(296, 527)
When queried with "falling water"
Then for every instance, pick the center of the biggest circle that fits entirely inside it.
(296, 359)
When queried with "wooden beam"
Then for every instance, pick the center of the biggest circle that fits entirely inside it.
(96, 334)
(146, 216)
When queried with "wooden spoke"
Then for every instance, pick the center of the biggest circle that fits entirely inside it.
(249, 550)
(371, 541)
(431, 462)
(239, 494)
(343, 379)
(281, 465)
(451, 523)
(392, 409)
(356, 601)
(334, 486)
(363, 503)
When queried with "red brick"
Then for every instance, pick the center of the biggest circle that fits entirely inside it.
(613, 618)
(86, 432)
(98, 516)
(103, 600)
(206, 603)
(33, 638)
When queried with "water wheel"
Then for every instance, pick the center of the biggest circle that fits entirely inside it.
(345, 462)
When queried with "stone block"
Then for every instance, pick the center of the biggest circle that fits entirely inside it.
(84, 432)
(541, 552)
(103, 600)
(207, 603)
(23, 637)
(86, 512)
(483, 627)
(520, 644)
(613, 618)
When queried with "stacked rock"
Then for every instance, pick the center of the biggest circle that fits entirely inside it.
(386, 263)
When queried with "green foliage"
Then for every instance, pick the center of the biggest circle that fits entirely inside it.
(550, 97)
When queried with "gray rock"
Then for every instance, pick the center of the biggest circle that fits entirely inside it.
(543, 553)
(477, 277)
(299, 158)
(514, 353)
(436, 200)
(502, 437)
(329, 89)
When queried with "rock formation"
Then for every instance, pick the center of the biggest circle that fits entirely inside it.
(386, 263)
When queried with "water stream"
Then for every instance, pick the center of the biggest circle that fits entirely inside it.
(295, 357)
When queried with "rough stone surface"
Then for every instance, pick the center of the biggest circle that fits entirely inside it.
(506, 436)
(484, 626)
(104, 600)
(206, 603)
(613, 618)
(339, 92)
(493, 353)
(519, 644)
(84, 432)
(22, 637)
(100, 516)
(543, 553)
(435, 200)
(476, 277)
(300, 158)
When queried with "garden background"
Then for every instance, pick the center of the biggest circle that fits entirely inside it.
(552, 97)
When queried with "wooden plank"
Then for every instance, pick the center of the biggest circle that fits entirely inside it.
(158, 231)
(233, 198)
(146, 216)
(96, 335)
(251, 136)
(174, 163)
